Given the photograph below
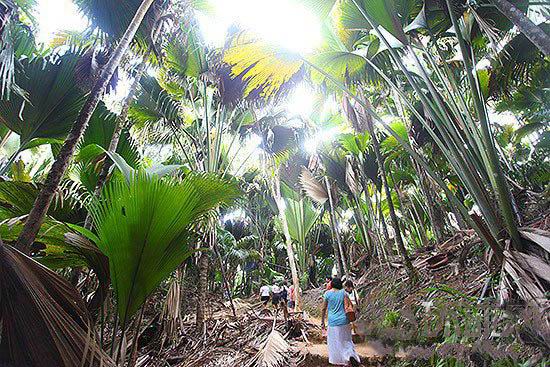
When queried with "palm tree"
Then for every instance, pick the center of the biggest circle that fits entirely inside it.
(393, 215)
(144, 228)
(43, 201)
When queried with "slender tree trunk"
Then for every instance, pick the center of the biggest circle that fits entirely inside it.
(222, 270)
(393, 216)
(202, 290)
(534, 33)
(384, 225)
(435, 212)
(43, 201)
(340, 254)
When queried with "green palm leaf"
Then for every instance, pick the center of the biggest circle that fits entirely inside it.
(17, 199)
(382, 12)
(300, 215)
(100, 131)
(144, 228)
(54, 99)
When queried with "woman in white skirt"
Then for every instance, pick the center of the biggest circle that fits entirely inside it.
(341, 351)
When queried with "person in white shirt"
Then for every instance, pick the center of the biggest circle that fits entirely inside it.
(264, 294)
(275, 295)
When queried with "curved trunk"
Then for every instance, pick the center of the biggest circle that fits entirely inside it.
(533, 32)
(43, 201)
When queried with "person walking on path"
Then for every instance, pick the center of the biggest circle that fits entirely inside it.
(264, 294)
(341, 350)
(291, 298)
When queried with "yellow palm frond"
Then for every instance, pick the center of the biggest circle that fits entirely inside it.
(265, 69)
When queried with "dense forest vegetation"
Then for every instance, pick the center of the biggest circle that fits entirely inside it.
(151, 181)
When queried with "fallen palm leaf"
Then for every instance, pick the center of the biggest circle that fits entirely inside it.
(44, 320)
(273, 352)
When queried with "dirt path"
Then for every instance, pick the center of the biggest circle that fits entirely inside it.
(371, 352)
(366, 350)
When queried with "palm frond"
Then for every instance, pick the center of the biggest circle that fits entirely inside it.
(53, 98)
(300, 216)
(273, 353)
(313, 188)
(514, 65)
(113, 17)
(16, 40)
(144, 228)
(44, 320)
(266, 71)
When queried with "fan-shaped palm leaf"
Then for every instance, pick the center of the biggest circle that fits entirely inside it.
(382, 13)
(514, 65)
(17, 199)
(300, 217)
(313, 188)
(273, 353)
(53, 98)
(143, 227)
(154, 104)
(93, 145)
(266, 70)
(16, 40)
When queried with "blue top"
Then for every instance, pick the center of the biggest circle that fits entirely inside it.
(336, 312)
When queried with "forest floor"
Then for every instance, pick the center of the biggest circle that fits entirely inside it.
(449, 312)
(400, 323)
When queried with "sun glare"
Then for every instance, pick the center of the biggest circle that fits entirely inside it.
(323, 136)
(300, 101)
(284, 23)
(57, 15)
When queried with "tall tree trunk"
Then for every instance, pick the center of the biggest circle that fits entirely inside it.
(43, 201)
(226, 286)
(202, 290)
(435, 212)
(340, 257)
(384, 225)
(288, 241)
(525, 25)
(393, 216)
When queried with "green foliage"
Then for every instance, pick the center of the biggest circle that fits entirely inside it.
(17, 199)
(391, 318)
(144, 228)
(300, 216)
(53, 98)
